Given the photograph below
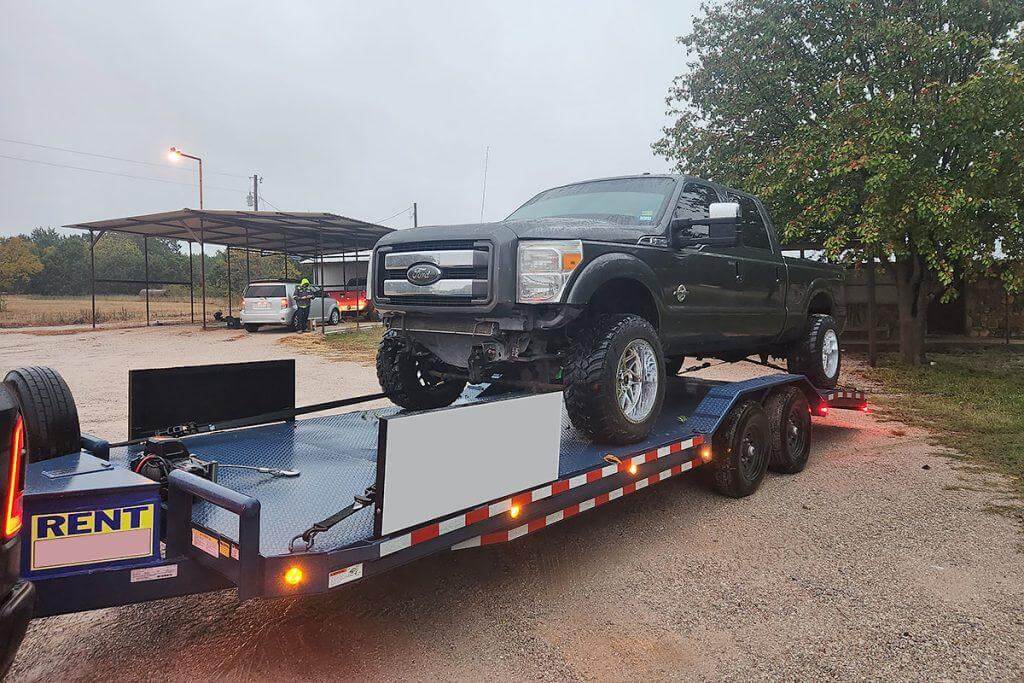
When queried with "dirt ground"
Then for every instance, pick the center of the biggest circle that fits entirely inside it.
(879, 561)
(111, 310)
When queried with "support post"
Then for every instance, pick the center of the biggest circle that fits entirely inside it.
(92, 274)
(145, 261)
(248, 276)
(415, 218)
(191, 286)
(872, 332)
(227, 257)
(202, 268)
(1006, 313)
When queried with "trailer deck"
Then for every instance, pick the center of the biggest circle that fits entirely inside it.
(337, 458)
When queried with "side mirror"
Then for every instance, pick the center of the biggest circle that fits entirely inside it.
(720, 229)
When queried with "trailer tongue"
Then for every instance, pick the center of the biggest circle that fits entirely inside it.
(375, 488)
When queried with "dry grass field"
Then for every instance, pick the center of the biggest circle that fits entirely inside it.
(46, 311)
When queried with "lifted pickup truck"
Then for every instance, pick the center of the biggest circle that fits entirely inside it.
(604, 287)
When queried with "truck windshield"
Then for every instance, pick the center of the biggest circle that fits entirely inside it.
(257, 291)
(631, 201)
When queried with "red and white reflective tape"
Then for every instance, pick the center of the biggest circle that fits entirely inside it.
(555, 517)
(430, 531)
(853, 393)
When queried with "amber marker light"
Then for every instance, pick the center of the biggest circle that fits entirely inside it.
(705, 452)
(294, 576)
(514, 511)
(633, 468)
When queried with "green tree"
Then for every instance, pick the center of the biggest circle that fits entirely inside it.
(877, 127)
(18, 263)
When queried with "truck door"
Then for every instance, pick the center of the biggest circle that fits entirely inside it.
(760, 274)
(699, 294)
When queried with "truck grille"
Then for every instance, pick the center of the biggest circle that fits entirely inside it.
(464, 268)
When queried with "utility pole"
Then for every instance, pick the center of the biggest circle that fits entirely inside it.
(483, 194)
(415, 216)
(255, 193)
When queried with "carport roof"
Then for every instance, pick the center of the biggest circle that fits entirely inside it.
(291, 232)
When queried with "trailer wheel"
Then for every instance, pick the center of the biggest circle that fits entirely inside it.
(404, 376)
(48, 408)
(789, 418)
(252, 327)
(615, 379)
(742, 449)
(816, 354)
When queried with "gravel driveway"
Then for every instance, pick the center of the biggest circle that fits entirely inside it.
(878, 561)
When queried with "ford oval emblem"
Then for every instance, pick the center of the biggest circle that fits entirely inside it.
(423, 274)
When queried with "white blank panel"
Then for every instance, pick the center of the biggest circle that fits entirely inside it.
(439, 462)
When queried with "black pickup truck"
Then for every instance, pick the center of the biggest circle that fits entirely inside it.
(602, 287)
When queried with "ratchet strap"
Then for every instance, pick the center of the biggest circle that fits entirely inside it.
(308, 536)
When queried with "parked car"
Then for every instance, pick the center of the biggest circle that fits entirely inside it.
(352, 300)
(601, 286)
(272, 302)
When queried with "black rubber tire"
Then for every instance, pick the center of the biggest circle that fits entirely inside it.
(251, 327)
(729, 473)
(398, 373)
(48, 408)
(804, 356)
(590, 398)
(674, 365)
(788, 410)
(334, 318)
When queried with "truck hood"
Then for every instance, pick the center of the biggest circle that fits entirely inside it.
(594, 230)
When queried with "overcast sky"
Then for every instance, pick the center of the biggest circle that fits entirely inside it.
(358, 108)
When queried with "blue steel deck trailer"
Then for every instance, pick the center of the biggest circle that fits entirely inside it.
(222, 485)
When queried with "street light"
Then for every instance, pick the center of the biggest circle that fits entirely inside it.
(174, 154)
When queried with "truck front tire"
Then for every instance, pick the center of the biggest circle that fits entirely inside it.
(406, 378)
(816, 354)
(615, 379)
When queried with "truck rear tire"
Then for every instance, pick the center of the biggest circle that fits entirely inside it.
(615, 379)
(816, 354)
(251, 327)
(789, 418)
(741, 449)
(400, 372)
(48, 409)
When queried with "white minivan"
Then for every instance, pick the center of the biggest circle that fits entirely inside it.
(272, 302)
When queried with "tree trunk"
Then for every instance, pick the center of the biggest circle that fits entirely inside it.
(912, 303)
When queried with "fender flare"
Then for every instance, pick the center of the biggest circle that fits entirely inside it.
(609, 267)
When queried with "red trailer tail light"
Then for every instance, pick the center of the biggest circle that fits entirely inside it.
(15, 483)
(823, 410)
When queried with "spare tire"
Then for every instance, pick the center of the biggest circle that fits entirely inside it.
(48, 409)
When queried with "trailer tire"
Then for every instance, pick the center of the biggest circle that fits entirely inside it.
(399, 371)
(817, 354)
(742, 449)
(251, 327)
(48, 409)
(591, 392)
(789, 418)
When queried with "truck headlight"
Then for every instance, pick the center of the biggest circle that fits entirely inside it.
(545, 267)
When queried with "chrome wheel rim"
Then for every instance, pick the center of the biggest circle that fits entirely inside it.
(636, 380)
(830, 353)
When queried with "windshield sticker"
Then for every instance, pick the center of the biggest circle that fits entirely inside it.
(646, 215)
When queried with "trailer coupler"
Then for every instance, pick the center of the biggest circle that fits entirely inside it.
(307, 537)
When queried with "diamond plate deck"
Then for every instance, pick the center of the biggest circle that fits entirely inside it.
(337, 458)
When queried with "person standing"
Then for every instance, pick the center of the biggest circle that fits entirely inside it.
(304, 294)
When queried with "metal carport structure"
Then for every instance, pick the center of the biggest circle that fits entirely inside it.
(308, 235)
